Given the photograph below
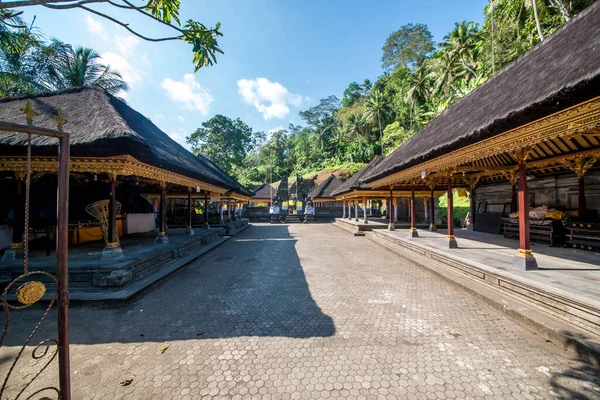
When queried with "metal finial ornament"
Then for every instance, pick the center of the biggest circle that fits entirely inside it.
(60, 119)
(29, 112)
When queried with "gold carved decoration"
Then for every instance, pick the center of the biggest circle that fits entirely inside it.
(580, 119)
(60, 119)
(30, 292)
(512, 176)
(29, 112)
(580, 165)
(471, 180)
(118, 165)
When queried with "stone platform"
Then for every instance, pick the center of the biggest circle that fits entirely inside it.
(566, 285)
(375, 223)
(143, 263)
(232, 227)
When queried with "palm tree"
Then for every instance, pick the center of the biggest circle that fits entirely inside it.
(461, 42)
(376, 108)
(80, 66)
(448, 70)
(366, 87)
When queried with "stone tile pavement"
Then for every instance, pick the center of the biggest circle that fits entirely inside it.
(306, 311)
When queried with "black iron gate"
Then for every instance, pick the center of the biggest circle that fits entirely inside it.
(31, 286)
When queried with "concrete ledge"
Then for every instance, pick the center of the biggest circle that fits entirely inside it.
(353, 229)
(556, 316)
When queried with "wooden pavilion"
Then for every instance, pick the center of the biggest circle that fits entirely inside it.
(117, 156)
(397, 200)
(529, 136)
(321, 194)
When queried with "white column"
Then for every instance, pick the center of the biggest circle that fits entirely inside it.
(356, 210)
(221, 213)
(365, 220)
(343, 209)
(426, 207)
(396, 209)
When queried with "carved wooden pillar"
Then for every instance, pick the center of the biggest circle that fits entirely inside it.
(162, 238)
(472, 182)
(365, 219)
(524, 258)
(189, 229)
(356, 210)
(343, 209)
(396, 209)
(391, 226)
(431, 183)
(221, 220)
(16, 247)
(452, 244)
(580, 166)
(112, 250)
(413, 224)
(206, 210)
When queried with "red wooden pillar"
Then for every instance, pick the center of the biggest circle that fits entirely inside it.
(189, 230)
(452, 244)
(113, 246)
(206, 210)
(413, 225)
(16, 247)
(524, 258)
(581, 198)
(432, 225)
(391, 226)
(162, 238)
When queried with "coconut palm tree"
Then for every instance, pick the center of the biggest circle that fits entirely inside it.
(80, 66)
(461, 42)
(377, 108)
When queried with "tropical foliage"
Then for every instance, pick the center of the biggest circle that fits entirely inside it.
(420, 80)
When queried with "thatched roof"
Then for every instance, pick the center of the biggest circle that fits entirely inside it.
(325, 188)
(102, 125)
(560, 72)
(356, 181)
(264, 191)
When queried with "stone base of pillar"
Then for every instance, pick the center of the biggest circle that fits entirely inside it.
(188, 231)
(412, 233)
(15, 252)
(162, 238)
(365, 221)
(470, 227)
(112, 251)
(391, 227)
(356, 219)
(452, 244)
(206, 226)
(432, 227)
(525, 261)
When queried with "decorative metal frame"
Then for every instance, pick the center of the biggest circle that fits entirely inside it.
(31, 291)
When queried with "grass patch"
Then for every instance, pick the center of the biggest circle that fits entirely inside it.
(460, 207)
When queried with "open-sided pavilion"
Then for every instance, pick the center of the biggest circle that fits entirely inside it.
(123, 170)
(527, 137)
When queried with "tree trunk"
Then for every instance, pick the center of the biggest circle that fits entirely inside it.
(537, 20)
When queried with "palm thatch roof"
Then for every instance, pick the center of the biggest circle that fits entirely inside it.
(102, 125)
(561, 71)
(264, 191)
(356, 181)
(325, 188)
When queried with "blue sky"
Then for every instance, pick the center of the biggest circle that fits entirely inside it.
(280, 56)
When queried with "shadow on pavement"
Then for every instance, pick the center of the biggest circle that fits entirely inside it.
(252, 285)
(587, 372)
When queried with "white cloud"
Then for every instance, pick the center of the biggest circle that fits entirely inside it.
(272, 99)
(159, 116)
(131, 74)
(126, 44)
(96, 28)
(180, 118)
(189, 92)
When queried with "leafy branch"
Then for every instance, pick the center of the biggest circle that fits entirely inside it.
(165, 12)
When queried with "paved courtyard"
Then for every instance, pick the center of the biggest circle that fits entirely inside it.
(308, 311)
